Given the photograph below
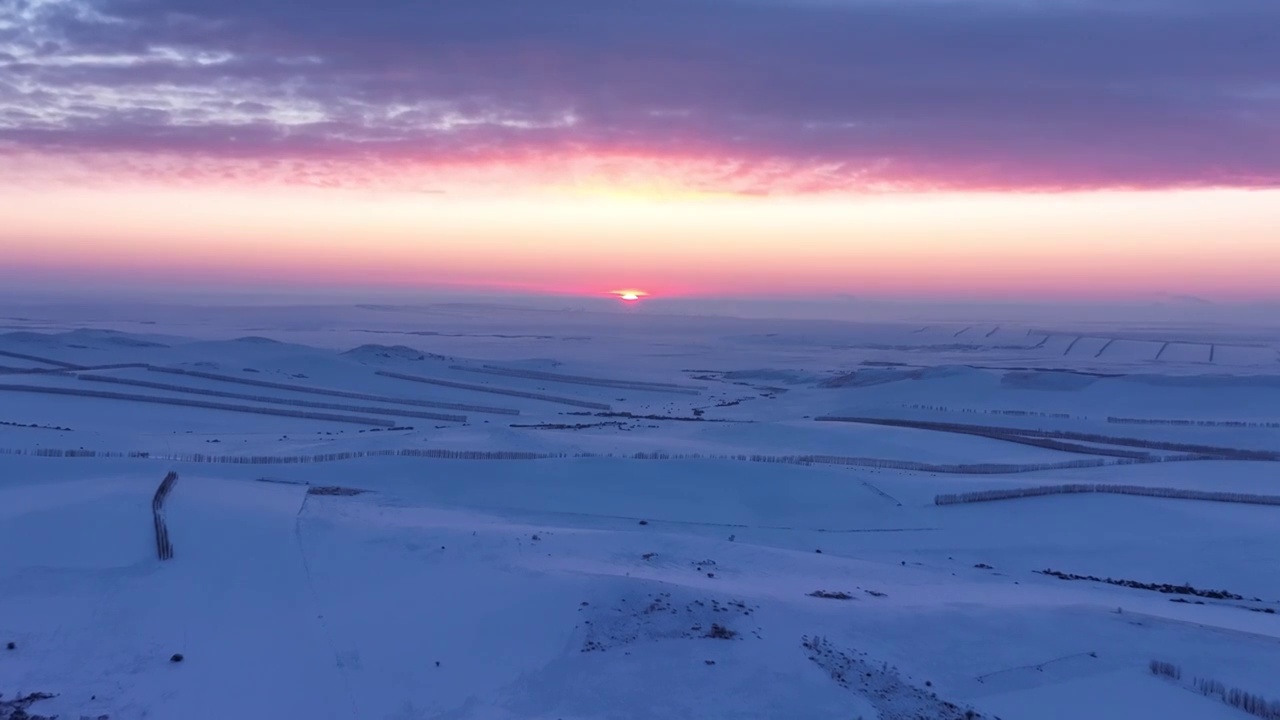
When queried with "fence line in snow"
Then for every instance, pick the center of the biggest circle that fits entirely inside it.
(164, 548)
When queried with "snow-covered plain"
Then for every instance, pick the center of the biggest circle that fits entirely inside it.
(654, 560)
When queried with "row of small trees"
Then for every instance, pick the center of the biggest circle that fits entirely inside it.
(1255, 705)
(1166, 588)
(74, 453)
(880, 463)
(439, 454)
(1194, 423)
(581, 380)
(1077, 488)
(991, 411)
(36, 426)
(333, 393)
(1013, 434)
(66, 370)
(289, 459)
(572, 402)
(164, 548)
(1038, 439)
(963, 469)
(205, 404)
(274, 400)
(37, 358)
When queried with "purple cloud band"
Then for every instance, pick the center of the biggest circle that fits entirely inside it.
(1037, 94)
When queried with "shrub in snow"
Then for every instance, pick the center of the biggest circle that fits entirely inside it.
(334, 490)
(893, 696)
(720, 632)
(827, 595)
(16, 709)
(1166, 588)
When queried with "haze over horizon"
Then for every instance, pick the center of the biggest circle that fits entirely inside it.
(976, 150)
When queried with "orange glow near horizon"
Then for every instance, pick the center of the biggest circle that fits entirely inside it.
(1219, 244)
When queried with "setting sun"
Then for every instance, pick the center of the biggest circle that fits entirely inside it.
(630, 295)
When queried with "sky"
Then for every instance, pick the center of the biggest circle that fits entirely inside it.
(1006, 150)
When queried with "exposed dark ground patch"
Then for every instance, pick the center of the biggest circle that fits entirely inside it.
(657, 616)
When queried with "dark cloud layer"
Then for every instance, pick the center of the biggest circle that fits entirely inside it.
(971, 93)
